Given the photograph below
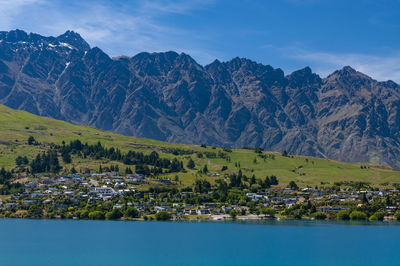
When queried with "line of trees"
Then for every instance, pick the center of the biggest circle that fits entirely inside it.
(4, 175)
(46, 162)
(140, 160)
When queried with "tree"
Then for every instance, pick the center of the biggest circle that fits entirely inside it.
(31, 140)
(297, 214)
(115, 214)
(267, 182)
(285, 153)
(4, 175)
(46, 162)
(21, 160)
(66, 156)
(233, 213)
(258, 150)
(268, 211)
(255, 187)
(163, 216)
(253, 180)
(131, 212)
(357, 215)
(397, 215)
(205, 169)
(377, 216)
(274, 180)
(364, 198)
(343, 215)
(128, 171)
(202, 186)
(319, 215)
(191, 164)
(82, 214)
(293, 185)
(35, 212)
(96, 215)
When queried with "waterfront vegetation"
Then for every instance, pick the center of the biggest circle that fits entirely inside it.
(52, 169)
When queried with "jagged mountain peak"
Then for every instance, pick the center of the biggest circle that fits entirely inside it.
(14, 36)
(347, 69)
(303, 72)
(96, 56)
(303, 77)
(390, 84)
(348, 72)
(75, 39)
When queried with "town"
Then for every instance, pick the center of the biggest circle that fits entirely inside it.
(133, 196)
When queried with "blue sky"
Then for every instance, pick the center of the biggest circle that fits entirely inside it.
(289, 34)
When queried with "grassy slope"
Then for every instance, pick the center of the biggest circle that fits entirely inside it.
(17, 126)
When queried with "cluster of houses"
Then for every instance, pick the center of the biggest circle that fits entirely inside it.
(77, 188)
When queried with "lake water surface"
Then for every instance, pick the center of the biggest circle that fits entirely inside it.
(68, 242)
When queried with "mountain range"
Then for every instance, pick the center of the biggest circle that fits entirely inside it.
(346, 116)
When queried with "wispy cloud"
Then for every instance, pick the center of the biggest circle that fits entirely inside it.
(383, 67)
(11, 9)
(116, 27)
(173, 6)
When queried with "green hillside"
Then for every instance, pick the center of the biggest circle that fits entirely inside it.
(17, 126)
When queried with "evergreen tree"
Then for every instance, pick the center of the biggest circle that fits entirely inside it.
(31, 140)
(73, 170)
(190, 164)
(66, 157)
(128, 171)
(253, 180)
(267, 182)
(205, 169)
(274, 180)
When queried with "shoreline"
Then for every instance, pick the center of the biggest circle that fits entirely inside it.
(239, 220)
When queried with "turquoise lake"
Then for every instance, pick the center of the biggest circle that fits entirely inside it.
(69, 242)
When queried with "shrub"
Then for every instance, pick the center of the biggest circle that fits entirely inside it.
(268, 211)
(293, 185)
(255, 187)
(233, 213)
(96, 215)
(397, 215)
(83, 214)
(115, 214)
(357, 215)
(378, 216)
(297, 214)
(319, 215)
(131, 212)
(31, 140)
(343, 215)
(191, 164)
(163, 216)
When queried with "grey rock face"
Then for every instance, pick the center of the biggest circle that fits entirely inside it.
(168, 96)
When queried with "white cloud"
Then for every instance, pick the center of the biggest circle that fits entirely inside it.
(383, 67)
(10, 9)
(380, 67)
(118, 28)
(173, 6)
